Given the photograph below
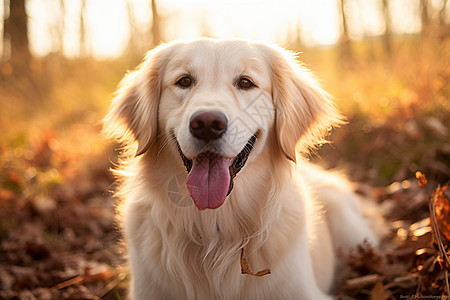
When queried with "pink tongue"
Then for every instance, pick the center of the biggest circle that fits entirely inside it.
(209, 180)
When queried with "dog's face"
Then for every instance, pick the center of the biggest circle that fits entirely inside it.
(217, 103)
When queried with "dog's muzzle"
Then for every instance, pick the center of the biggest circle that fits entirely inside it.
(210, 175)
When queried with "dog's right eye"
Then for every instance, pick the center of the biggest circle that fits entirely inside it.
(184, 82)
(245, 83)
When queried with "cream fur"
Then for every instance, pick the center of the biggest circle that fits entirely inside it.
(290, 217)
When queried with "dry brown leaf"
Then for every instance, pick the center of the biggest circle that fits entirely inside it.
(422, 180)
(43, 152)
(100, 273)
(442, 206)
(378, 292)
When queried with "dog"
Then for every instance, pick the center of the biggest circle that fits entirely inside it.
(216, 199)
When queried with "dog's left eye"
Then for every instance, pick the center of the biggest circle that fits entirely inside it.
(184, 82)
(244, 83)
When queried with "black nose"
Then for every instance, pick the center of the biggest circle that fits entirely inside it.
(208, 125)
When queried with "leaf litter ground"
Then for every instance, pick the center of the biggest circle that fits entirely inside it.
(58, 237)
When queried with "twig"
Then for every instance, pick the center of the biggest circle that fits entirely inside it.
(121, 276)
(437, 233)
(362, 281)
(437, 238)
(70, 282)
(434, 225)
(446, 282)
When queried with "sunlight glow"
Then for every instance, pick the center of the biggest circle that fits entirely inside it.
(107, 26)
(107, 22)
(269, 21)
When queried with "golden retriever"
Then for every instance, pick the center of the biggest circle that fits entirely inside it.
(213, 131)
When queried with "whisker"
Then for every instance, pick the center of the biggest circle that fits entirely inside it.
(167, 141)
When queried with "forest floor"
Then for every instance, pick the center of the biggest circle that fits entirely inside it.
(58, 236)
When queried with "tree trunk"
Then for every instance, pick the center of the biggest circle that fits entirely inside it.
(133, 48)
(387, 32)
(156, 25)
(346, 50)
(442, 13)
(83, 47)
(61, 28)
(6, 45)
(16, 33)
(424, 15)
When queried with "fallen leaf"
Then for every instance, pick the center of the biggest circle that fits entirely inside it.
(43, 152)
(442, 210)
(378, 292)
(422, 180)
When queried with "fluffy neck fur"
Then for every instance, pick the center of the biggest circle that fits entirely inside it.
(208, 243)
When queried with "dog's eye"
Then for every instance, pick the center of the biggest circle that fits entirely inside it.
(245, 83)
(184, 82)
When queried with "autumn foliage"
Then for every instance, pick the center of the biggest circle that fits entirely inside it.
(414, 261)
(58, 237)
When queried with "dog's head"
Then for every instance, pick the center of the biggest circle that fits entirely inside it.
(216, 104)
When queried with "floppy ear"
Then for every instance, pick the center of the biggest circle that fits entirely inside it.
(304, 112)
(133, 114)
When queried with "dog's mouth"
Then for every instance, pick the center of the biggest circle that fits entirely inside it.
(210, 175)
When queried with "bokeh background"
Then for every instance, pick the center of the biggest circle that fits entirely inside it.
(386, 62)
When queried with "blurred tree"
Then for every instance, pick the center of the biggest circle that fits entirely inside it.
(205, 27)
(298, 36)
(58, 29)
(294, 36)
(15, 33)
(6, 53)
(442, 13)
(83, 46)
(63, 26)
(424, 15)
(346, 50)
(132, 45)
(156, 25)
(387, 39)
